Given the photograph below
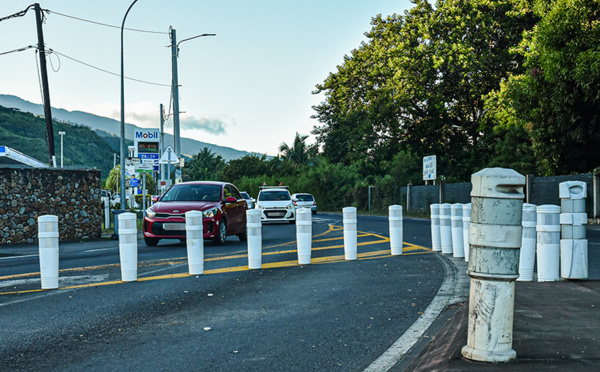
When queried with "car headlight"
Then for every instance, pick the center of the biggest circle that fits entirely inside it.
(259, 206)
(290, 206)
(150, 212)
(210, 213)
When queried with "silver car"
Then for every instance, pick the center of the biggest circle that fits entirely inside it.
(303, 200)
(249, 200)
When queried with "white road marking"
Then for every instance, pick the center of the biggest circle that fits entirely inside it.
(445, 296)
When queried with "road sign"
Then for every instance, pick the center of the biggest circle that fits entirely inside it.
(145, 167)
(169, 157)
(429, 168)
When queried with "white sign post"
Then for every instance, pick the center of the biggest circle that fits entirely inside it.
(169, 158)
(429, 168)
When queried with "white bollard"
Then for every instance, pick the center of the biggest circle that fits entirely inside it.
(194, 236)
(528, 243)
(396, 233)
(48, 247)
(436, 244)
(254, 228)
(106, 201)
(304, 235)
(350, 233)
(456, 219)
(548, 242)
(128, 246)
(573, 243)
(494, 240)
(466, 222)
(446, 228)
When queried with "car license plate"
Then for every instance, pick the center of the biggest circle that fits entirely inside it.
(173, 226)
(276, 214)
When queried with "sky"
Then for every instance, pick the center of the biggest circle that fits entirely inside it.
(250, 87)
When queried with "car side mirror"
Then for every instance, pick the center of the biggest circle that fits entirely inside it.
(230, 199)
(155, 199)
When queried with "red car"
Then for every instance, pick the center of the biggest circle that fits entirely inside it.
(222, 206)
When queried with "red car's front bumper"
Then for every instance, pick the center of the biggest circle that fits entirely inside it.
(174, 228)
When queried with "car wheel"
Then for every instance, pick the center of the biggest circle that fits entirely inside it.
(243, 236)
(151, 242)
(222, 235)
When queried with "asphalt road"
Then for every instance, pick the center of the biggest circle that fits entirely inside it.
(330, 315)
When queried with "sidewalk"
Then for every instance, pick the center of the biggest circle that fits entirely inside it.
(556, 328)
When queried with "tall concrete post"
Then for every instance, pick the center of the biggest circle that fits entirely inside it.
(494, 238)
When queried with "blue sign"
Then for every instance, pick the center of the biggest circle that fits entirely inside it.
(3, 149)
(134, 182)
(148, 156)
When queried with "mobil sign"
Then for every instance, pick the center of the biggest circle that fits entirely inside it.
(146, 143)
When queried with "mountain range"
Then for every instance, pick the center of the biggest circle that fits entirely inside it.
(108, 128)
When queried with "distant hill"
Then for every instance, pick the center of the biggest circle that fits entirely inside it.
(109, 128)
(83, 148)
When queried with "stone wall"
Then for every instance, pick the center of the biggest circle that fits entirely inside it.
(72, 195)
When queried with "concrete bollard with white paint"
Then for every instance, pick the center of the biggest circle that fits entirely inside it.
(548, 242)
(350, 233)
(573, 243)
(304, 235)
(528, 243)
(494, 239)
(194, 236)
(446, 228)
(48, 249)
(456, 219)
(436, 244)
(254, 228)
(128, 246)
(466, 222)
(396, 233)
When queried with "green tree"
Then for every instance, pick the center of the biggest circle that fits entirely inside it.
(556, 99)
(297, 155)
(246, 166)
(419, 85)
(204, 166)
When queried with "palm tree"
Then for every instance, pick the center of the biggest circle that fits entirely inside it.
(298, 154)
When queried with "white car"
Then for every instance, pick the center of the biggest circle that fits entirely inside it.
(304, 200)
(275, 204)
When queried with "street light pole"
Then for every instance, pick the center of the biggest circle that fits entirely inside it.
(122, 160)
(61, 133)
(174, 55)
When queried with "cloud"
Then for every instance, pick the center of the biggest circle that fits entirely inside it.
(209, 125)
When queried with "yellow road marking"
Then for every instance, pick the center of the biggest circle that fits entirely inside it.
(409, 248)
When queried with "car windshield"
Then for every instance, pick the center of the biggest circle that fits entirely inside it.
(274, 195)
(305, 197)
(210, 193)
(245, 195)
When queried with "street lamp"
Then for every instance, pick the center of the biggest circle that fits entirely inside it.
(123, 114)
(61, 133)
(174, 55)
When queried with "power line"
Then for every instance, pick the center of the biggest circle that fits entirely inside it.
(18, 50)
(106, 71)
(104, 24)
(18, 14)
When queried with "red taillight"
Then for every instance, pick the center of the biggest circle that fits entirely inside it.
(315, 202)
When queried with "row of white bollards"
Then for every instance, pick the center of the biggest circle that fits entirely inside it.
(450, 229)
(556, 236)
(128, 252)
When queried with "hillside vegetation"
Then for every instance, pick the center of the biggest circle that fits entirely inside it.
(82, 147)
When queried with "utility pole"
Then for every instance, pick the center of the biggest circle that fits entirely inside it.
(162, 146)
(46, 90)
(176, 133)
